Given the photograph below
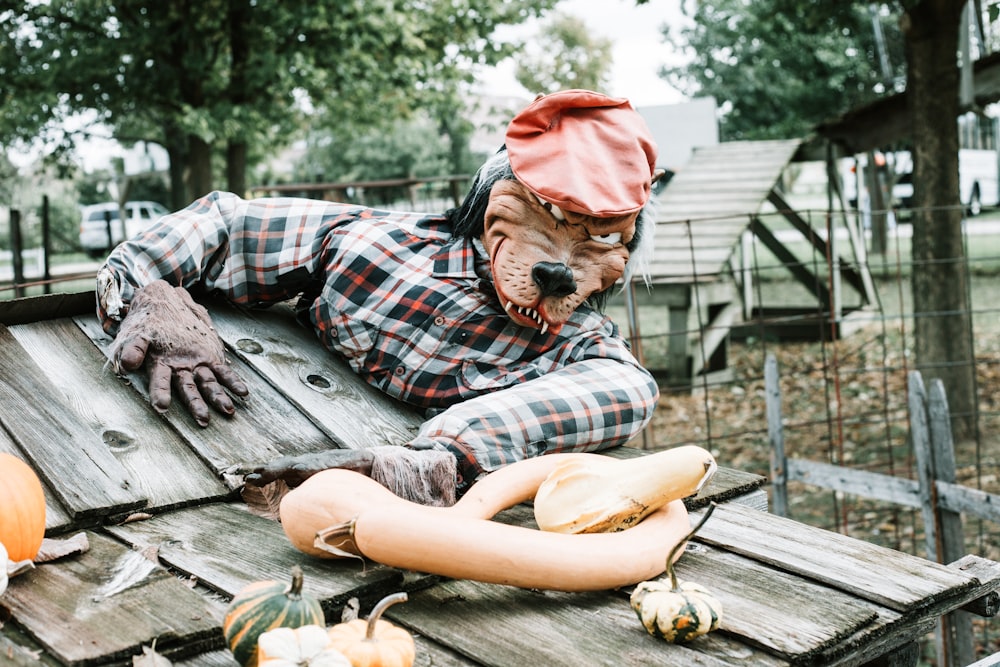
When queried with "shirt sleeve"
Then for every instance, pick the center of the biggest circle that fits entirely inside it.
(585, 406)
(255, 252)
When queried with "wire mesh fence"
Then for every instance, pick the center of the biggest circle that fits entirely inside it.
(843, 365)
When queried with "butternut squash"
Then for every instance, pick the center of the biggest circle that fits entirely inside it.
(604, 495)
(341, 513)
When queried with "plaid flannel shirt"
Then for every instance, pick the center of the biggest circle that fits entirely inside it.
(413, 311)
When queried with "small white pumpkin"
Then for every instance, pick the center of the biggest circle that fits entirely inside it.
(298, 647)
(677, 611)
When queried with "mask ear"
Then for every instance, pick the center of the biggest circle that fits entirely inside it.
(657, 175)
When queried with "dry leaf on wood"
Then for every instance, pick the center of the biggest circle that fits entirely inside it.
(351, 611)
(150, 658)
(264, 500)
(54, 549)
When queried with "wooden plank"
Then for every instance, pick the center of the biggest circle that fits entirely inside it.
(896, 490)
(105, 604)
(265, 426)
(873, 485)
(145, 447)
(920, 439)
(48, 306)
(713, 256)
(789, 616)
(776, 435)
(704, 179)
(349, 411)
(893, 579)
(954, 632)
(57, 518)
(225, 547)
(429, 654)
(987, 572)
(502, 626)
(86, 478)
(746, 201)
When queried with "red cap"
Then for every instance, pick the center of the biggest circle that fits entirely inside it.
(583, 152)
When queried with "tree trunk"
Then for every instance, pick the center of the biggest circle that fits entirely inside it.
(239, 47)
(943, 322)
(198, 172)
(236, 167)
(177, 152)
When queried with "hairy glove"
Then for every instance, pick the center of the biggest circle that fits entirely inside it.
(173, 336)
(427, 477)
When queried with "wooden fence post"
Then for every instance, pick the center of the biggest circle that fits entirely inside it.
(16, 245)
(955, 647)
(933, 449)
(776, 436)
(46, 244)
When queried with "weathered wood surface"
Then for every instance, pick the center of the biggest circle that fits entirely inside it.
(501, 626)
(792, 594)
(143, 446)
(52, 436)
(311, 377)
(719, 214)
(897, 580)
(55, 515)
(103, 605)
(804, 620)
(226, 547)
(265, 426)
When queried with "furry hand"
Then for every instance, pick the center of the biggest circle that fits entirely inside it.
(293, 470)
(174, 337)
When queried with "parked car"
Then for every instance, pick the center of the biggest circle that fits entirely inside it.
(96, 220)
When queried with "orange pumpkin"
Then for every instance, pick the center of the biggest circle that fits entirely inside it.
(22, 508)
(375, 643)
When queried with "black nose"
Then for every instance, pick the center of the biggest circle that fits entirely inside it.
(553, 279)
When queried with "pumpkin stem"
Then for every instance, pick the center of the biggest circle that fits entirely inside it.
(670, 557)
(379, 609)
(294, 591)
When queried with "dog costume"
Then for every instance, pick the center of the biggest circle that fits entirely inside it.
(486, 317)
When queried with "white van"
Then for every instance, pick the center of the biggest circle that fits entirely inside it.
(978, 181)
(96, 219)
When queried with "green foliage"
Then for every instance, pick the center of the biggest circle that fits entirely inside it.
(176, 72)
(779, 67)
(565, 55)
(410, 148)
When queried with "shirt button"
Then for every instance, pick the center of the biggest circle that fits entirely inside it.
(439, 320)
(400, 370)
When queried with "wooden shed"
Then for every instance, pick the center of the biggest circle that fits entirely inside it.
(701, 270)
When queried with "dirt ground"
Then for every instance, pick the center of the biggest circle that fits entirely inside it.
(842, 403)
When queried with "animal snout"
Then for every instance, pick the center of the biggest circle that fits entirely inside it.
(553, 279)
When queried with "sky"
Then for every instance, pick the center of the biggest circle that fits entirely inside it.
(638, 49)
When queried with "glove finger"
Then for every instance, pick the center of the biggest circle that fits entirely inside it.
(212, 391)
(159, 386)
(132, 352)
(230, 379)
(188, 393)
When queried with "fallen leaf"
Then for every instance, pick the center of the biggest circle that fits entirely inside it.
(264, 500)
(54, 549)
(351, 611)
(150, 658)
